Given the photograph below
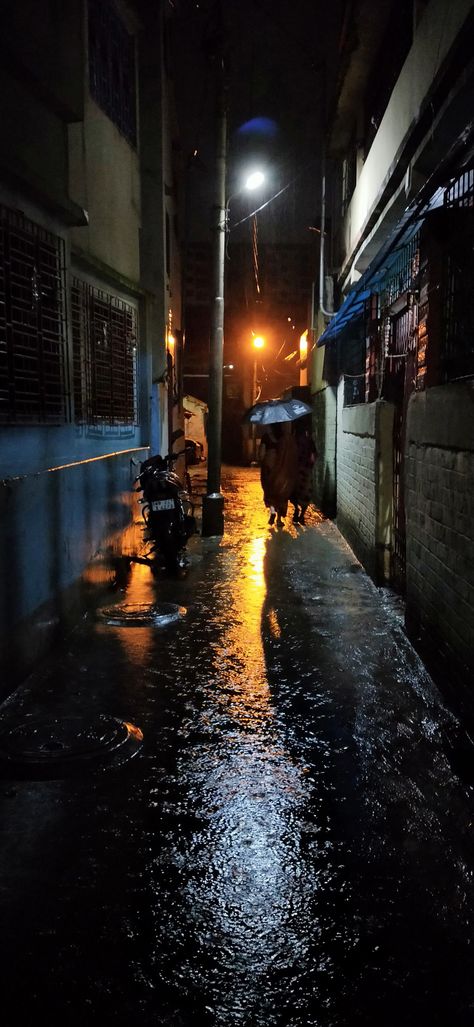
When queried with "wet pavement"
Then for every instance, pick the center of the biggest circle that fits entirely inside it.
(242, 814)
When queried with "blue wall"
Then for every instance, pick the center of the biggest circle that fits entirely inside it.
(54, 523)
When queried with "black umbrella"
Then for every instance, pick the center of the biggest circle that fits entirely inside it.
(274, 410)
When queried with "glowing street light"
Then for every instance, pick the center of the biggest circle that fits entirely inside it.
(254, 180)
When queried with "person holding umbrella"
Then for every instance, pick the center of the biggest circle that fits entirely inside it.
(278, 451)
(278, 469)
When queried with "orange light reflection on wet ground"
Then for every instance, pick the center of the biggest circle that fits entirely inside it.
(137, 642)
(243, 658)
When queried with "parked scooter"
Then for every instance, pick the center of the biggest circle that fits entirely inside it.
(166, 508)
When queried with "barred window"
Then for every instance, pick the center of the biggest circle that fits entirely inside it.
(399, 319)
(112, 67)
(104, 332)
(458, 340)
(33, 371)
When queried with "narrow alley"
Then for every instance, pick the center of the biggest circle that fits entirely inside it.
(280, 841)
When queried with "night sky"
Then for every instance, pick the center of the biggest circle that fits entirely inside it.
(281, 58)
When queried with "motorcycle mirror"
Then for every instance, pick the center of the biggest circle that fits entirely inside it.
(178, 434)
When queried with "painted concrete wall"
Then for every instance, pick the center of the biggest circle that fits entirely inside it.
(364, 482)
(324, 402)
(435, 34)
(324, 435)
(53, 524)
(104, 179)
(440, 520)
(65, 495)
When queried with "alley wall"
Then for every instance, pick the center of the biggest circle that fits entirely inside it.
(440, 520)
(364, 481)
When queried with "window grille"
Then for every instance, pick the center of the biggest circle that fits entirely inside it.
(354, 364)
(372, 351)
(399, 315)
(104, 330)
(458, 330)
(33, 371)
(112, 67)
(461, 192)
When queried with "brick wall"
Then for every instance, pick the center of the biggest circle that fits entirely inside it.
(356, 480)
(365, 482)
(439, 499)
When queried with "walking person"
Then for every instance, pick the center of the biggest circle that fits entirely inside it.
(307, 454)
(278, 469)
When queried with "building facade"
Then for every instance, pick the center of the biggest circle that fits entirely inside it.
(90, 305)
(393, 372)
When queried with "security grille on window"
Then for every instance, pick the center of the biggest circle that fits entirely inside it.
(399, 319)
(112, 67)
(458, 341)
(104, 330)
(32, 323)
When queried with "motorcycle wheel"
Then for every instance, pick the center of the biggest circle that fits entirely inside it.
(174, 559)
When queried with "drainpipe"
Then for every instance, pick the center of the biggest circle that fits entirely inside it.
(326, 313)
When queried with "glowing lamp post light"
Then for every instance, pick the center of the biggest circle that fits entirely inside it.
(213, 501)
(254, 180)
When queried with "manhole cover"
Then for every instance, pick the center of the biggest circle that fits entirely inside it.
(39, 748)
(141, 615)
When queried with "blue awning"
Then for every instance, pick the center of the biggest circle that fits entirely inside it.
(429, 197)
(374, 276)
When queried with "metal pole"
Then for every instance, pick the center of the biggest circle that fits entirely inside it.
(213, 502)
(254, 400)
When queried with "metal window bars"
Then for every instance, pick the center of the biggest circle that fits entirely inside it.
(33, 355)
(458, 330)
(104, 332)
(112, 67)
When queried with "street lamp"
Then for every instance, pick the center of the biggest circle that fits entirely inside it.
(253, 181)
(213, 501)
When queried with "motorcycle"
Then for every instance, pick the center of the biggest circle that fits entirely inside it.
(166, 508)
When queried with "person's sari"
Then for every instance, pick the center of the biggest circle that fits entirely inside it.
(278, 473)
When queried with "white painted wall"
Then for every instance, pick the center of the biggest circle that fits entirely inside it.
(104, 179)
(435, 34)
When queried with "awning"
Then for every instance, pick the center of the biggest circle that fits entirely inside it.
(372, 279)
(430, 196)
(379, 269)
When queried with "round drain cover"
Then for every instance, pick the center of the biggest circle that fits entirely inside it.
(140, 615)
(39, 748)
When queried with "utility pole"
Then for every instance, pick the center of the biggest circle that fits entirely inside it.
(213, 501)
